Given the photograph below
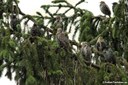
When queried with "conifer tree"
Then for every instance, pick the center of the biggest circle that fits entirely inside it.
(35, 56)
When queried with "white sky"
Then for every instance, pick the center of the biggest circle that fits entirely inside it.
(31, 6)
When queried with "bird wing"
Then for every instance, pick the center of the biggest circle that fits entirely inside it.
(109, 56)
(105, 9)
(87, 53)
(63, 39)
(101, 45)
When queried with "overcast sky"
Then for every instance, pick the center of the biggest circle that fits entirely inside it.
(31, 6)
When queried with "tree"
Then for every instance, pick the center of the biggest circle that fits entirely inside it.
(36, 57)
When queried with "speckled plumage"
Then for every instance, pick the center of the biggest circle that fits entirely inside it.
(86, 51)
(104, 8)
(100, 44)
(109, 56)
(62, 39)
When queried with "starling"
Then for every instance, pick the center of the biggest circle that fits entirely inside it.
(109, 56)
(86, 51)
(36, 31)
(14, 22)
(100, 44)
(58, 22)
(104, 8)
(62, 39)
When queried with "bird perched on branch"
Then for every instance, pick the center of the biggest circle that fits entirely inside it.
(100, 44)
(14, 22)
(86, 51)
(58, 22)
(36, 31)
(105, 9)
(109, 56)
(62, 39)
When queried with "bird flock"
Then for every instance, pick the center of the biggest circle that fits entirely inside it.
(105, 52)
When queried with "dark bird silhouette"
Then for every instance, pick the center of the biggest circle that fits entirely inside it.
(86, 51)
(109, 56)
(36, 31)
(14, 22)
(105, 9)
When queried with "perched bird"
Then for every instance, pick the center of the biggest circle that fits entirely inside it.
(59, 19)
(100, 44)
(104, 8)
(14, 22)
(58, 22)
(36, 31)
(109, 56)
(62, 39)
(86, 51)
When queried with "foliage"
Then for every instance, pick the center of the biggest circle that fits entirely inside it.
(39, 60)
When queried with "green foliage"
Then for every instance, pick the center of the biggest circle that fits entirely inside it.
(39, 60)
(85, 31)
(31, 80)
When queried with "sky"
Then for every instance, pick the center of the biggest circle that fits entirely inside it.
(31, 6)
